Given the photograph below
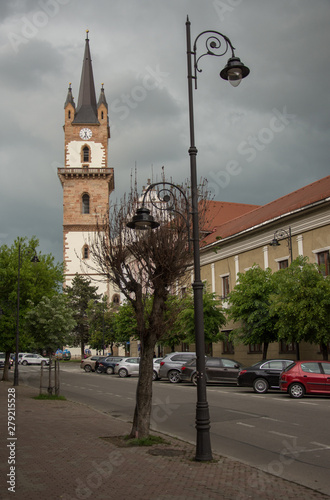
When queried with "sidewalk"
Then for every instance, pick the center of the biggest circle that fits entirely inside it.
(61, 453)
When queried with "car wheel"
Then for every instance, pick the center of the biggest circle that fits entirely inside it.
(109, 370)
(154, 375)
(123, 372)
(24, 362)
(174, 376)
(296, 390)
(99, 370)
(194, 379)
(87, 368)
(260, 385)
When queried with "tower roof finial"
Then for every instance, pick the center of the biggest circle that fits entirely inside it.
(87, 31)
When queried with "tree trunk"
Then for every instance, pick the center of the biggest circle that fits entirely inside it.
(265, 349)
(82, 349)
(324, 351)
(142, 413)
(6, 367)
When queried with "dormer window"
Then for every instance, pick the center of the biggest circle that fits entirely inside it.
(85, 203)
(86, 154)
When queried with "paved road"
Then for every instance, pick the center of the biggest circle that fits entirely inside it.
(285, 437)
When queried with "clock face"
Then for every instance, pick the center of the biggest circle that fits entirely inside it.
(85, 133)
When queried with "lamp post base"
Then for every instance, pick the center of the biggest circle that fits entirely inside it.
(203, 441)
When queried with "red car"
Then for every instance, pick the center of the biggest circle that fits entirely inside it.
(306, 377)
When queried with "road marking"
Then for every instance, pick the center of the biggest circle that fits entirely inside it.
(245, 425)
(273, 419)
(325, 446)
(306, 403)
(243, 413)
(258, 396)
(283, 435)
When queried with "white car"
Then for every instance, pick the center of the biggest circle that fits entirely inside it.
(33, 359)
(156, 368)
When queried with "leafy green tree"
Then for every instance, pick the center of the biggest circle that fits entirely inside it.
(50, 322)
(36, 280)
(302, 304)
(183, 329)
(249, 304)
(80, 293)
(109, 324)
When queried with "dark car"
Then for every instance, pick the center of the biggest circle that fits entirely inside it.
(107, 365)
(216, 369)
(306, 377)
(263, 375)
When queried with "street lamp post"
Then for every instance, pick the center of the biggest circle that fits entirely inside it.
(216, 44)
(282, 234)
(234, 71)
(34, 259)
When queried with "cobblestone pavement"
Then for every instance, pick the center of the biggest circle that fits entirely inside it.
(66, 450)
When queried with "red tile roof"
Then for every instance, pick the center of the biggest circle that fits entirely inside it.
(312, 193)
(220, 212)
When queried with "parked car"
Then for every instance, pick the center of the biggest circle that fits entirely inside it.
(306, 377)
(107, 365)
(33, 359)
(263, 375)
(156, 368)
(88, 364)
(170, 365)
(216, 370)
(3, 360)
(127, 367)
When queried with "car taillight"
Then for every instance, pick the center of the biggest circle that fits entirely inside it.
(183, 368)
(241, 372)
(162, 363)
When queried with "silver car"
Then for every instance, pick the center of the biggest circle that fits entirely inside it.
(34, 359)
(170, 365)
(127, 367)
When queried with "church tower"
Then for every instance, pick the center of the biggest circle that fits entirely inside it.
(86, 179)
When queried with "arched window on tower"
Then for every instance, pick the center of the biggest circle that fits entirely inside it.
(69, 114)
(85, 252)
(116, 299)
(86, 155)
(85, 203)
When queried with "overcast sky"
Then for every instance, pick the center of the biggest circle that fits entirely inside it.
(256, 142)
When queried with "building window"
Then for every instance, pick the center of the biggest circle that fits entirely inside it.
(283, 264)
(228, 346)
(255, 348)
(85, 252)
(287, 347)
(225, 286)
(183, 291)
(323, 261)
(102, 115)
(85, 203)
(116, 298)
(85, 154)
(69, 114)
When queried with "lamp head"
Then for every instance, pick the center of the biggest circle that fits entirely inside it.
(35, 259)
(275, 243)
(142, 220)
(234, 71)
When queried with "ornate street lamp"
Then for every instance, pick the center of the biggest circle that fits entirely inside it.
(234, 71)
(34, 259)
(216, 44)
(282, 234)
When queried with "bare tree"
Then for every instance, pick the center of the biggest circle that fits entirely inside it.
(145, 265)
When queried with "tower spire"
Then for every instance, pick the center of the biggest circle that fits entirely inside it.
(86, 111)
